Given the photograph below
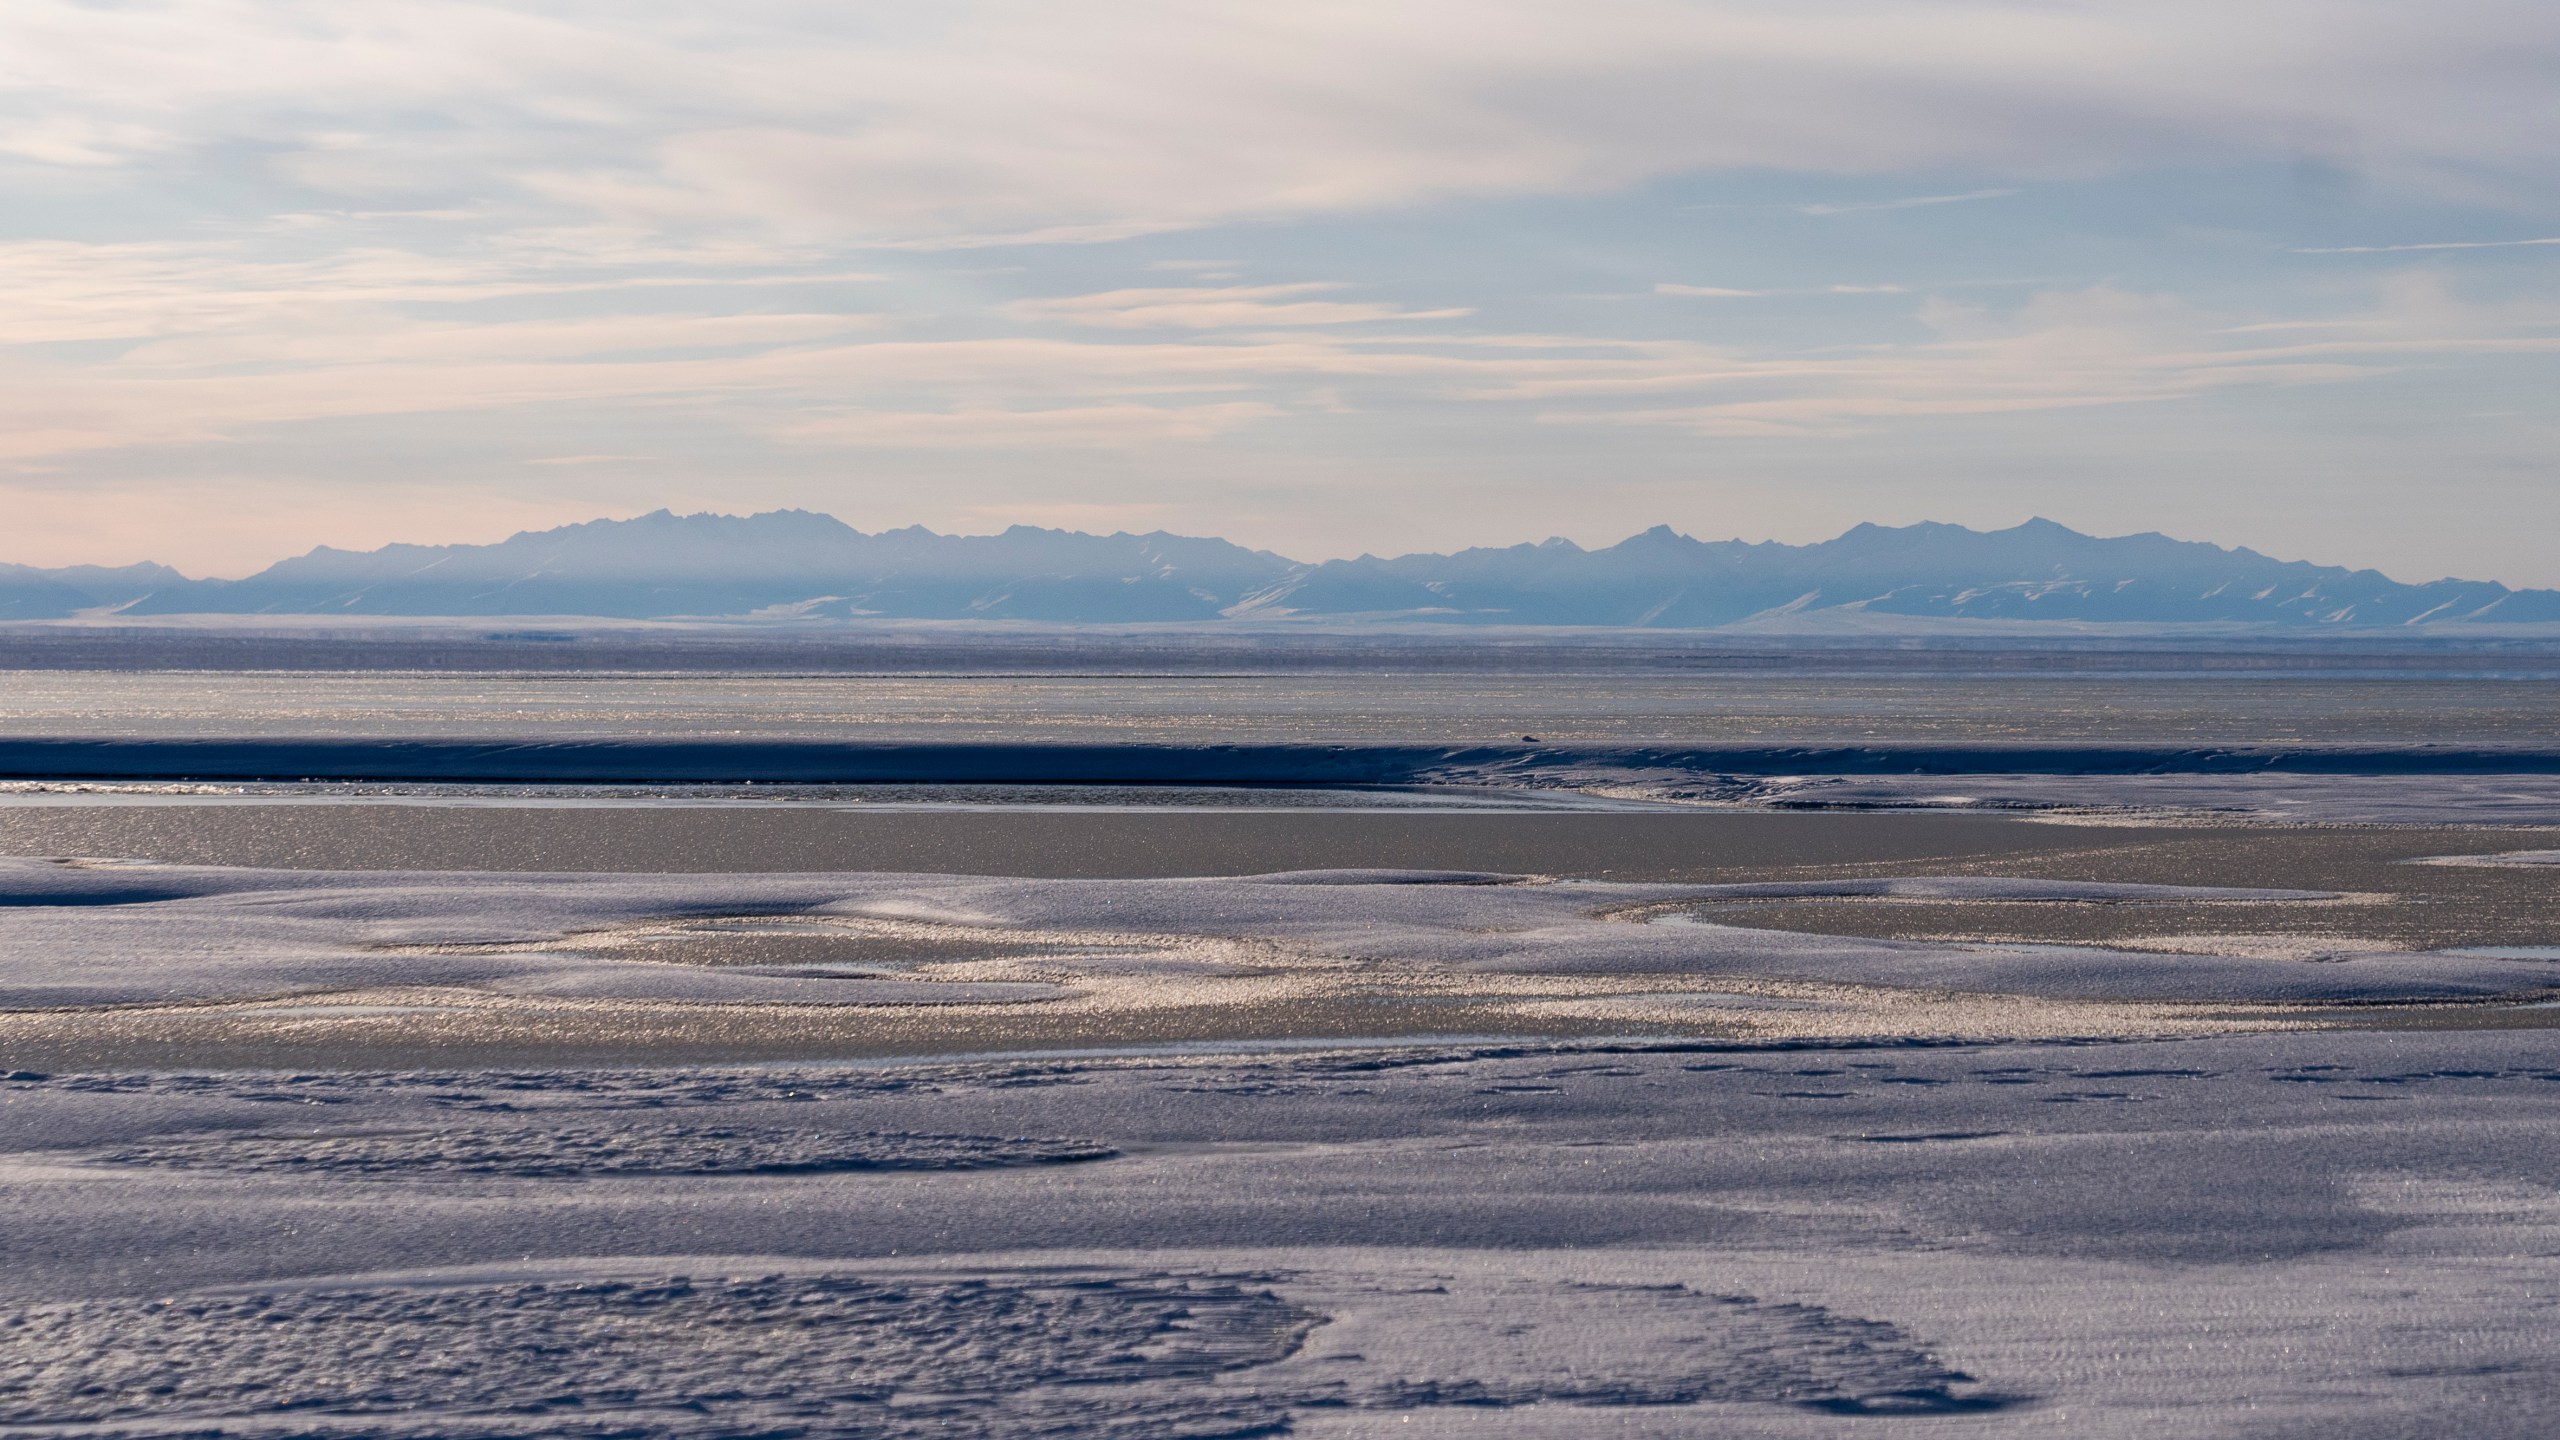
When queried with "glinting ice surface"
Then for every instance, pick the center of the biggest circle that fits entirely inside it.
(1753, 1240)
(2502, 860)
(74, 935)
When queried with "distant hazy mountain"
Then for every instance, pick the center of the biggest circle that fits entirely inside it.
(2036, 571)
(27, 593)
(786, 562)
(795, 564)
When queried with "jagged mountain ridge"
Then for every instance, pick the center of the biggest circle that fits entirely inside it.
(27, 593)
(782, 562)
(794, 564)
(2036, 571)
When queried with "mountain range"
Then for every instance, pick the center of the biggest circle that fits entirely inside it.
(799, 565)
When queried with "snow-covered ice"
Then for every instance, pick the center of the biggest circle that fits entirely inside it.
(1785, 1184)
(2312, 1233)
(74, 934)
(2500, 860)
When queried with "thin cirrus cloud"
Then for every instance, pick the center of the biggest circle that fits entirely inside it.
(2422, 246)
(1015, 119)
(1103, 426)
(215, 350)
(1718, 292)
(799, 384)
(2095, 348)
(1906, 202)
(1227, 307)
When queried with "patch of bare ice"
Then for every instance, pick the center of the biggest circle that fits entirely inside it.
(2501, 860)
(593, 1147)
(748, 1349)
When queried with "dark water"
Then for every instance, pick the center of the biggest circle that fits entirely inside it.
(1383, 707)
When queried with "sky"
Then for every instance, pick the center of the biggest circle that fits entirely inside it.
(1321, 277)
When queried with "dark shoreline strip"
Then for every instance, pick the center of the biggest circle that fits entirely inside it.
(824, 762)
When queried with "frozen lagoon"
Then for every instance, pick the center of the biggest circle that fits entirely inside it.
(2323, 1233)
(1780, 1124)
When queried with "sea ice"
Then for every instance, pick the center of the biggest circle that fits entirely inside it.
(79, 935)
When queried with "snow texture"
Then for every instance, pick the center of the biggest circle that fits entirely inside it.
(77, 934)
(2502, 860)
(660, 1355)
(2329, 1233)
(1134, 1354)
(597, 1148)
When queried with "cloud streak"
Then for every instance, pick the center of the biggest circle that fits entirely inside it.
(2426, 245)
(206, 349)
(1907, 202)
(1200, 308)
